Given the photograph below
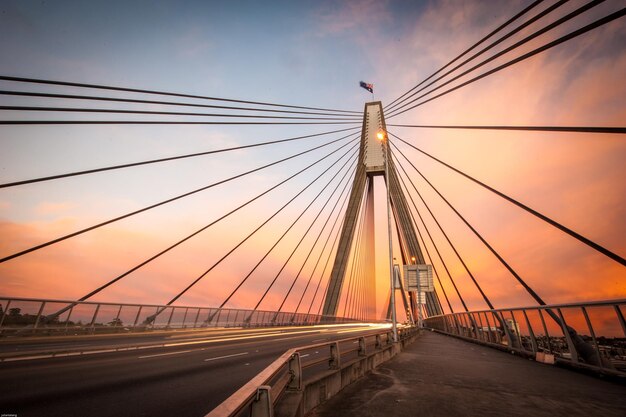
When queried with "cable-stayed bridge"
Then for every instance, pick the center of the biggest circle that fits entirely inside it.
(329, 267)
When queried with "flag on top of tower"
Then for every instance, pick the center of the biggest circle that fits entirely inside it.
(368, 87)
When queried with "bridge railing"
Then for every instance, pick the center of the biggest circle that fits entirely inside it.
(303, 377)
(23, 316)
(589, 335)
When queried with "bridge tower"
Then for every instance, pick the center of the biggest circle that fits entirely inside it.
(371, 162)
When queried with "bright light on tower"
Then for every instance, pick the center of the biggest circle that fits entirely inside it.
(380, 135)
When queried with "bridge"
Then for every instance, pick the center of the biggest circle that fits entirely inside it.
(349, 261)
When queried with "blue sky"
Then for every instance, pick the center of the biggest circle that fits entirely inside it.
(289, 51)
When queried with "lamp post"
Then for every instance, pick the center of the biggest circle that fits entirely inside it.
(384, 139)
(419, 295)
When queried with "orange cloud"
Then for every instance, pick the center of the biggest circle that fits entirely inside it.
(577, 179)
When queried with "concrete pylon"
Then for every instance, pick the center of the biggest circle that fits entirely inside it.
(371, 163)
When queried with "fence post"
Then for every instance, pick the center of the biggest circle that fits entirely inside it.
(117, 317)
(262, 404)
(335, 361)
(43, 304)
(362, 351)
(531, 333)
(169, 320)
(182, 325)
(620, 317)
(295, 369)
(195, 322)
(568, 338)
(217, 319)
(136, 317)
(505, 329)
(492, 338)
(593, 337)
(67, 320)
(93, 320)
(545, 330)
(4, 313)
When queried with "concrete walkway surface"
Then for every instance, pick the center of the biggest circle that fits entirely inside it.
(440, 375)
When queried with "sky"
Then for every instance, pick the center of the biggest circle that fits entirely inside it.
(307, 53)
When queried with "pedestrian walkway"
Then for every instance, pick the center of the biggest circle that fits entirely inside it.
(440, 375)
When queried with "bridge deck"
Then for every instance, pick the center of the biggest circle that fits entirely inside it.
(443, 376)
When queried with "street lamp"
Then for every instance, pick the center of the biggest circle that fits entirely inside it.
(384, 139)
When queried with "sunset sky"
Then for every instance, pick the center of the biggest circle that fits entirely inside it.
(307, 53)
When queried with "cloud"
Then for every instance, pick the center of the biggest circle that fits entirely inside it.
(573, 178)
(46, 208)
(577, 179)
(335, 18)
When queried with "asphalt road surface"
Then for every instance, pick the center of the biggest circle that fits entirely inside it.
(167, 374)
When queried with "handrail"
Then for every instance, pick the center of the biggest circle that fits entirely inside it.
(245, 396)
(21, 316)
(590, 335)
(110, 303)
(550, 306)
(242, 397)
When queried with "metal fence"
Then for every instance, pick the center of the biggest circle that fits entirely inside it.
(24, 316)
(589, 335)
(288, 374)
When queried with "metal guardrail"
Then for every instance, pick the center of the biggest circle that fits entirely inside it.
(57, 317)
(589, 335)
(261, 395)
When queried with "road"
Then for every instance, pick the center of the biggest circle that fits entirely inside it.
(166, 374)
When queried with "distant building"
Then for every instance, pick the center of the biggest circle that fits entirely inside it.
(513, 326)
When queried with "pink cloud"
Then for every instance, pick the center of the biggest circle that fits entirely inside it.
(575, 178)
(47, 207)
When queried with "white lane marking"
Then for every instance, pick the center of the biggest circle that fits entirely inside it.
(164, 354)
(60, 355)
(304, 356)
(226, 356)
(92, 352)
(24, 358)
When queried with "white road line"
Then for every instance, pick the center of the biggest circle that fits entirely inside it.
(164, 354)
(60, 355)
(24, 358)
(226, 356)
(92, 352)
(304, 356)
